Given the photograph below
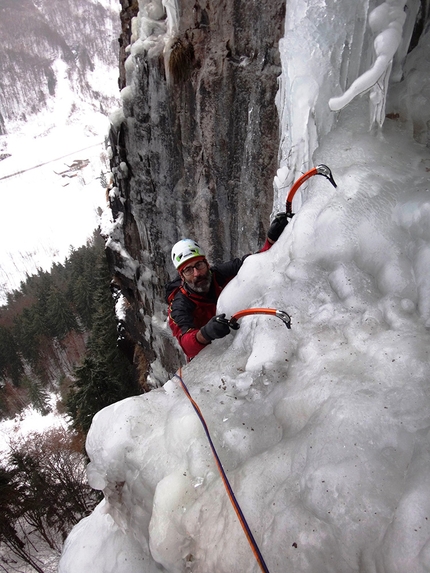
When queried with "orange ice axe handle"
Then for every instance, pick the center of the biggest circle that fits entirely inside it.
(285, 317)
(318, 170)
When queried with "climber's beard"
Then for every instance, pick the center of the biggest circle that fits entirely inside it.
(200, 283)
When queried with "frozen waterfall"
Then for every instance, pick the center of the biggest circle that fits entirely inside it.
(323, 429)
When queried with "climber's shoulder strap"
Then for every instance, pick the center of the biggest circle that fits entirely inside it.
(173, 288)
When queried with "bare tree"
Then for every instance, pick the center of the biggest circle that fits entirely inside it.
(43, 493)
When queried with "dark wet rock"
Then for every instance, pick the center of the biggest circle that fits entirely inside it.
(195, 153)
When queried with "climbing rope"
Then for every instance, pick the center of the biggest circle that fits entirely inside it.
(233, 324)
(227, 485)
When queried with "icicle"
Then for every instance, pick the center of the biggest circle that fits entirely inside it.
(387, 21)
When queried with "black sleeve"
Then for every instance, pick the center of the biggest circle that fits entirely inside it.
(226, 271)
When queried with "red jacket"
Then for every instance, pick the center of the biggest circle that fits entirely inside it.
(188, 311)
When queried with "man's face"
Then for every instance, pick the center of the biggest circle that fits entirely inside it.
(197, 276)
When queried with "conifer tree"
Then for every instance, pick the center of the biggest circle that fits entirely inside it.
(105, 375)
(82, 291)
(60, 317)
(82, 279)
(38, 395)
(42, 289)
(50, 305)
(25, 332)
(10, 362)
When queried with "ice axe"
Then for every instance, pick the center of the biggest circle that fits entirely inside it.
(318, 170)
(233, 321)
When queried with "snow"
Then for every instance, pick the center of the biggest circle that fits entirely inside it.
(29, 421)
(323, 429)
(53, 218)
(58, 201)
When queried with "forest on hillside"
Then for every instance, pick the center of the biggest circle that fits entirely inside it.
(58, 333)
(58, 336)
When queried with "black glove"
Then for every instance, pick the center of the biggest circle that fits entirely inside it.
(277, 226)
(217, 327)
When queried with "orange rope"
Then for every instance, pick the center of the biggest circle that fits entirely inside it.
(257, 554)
(233, 324)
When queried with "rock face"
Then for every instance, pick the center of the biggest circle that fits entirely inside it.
(194, 153)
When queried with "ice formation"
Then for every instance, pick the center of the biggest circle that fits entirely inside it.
(323, 429)
(386, 21)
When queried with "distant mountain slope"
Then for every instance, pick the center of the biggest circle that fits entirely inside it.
(35, 34)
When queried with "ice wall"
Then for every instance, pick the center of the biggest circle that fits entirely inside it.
(323, 430)
(332, 47)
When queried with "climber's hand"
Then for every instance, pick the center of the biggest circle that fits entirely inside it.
(277, 226)
(217, 327)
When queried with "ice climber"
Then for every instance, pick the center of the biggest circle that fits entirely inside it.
(192, 296)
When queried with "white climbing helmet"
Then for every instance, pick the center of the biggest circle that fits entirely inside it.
(185, 250)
